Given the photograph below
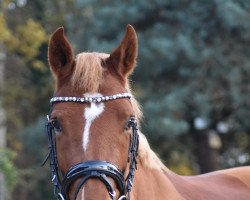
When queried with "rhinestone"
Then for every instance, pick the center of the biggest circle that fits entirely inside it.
(66, 98)
(107, 97)
(119, 95)
(60, 98)
(82, 100)
(86, 99)
(114, 96)
(103, 98)
(70, 98)
(99, 99)
(90, 99)
(74, 99)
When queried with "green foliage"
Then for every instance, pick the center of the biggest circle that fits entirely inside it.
(30, 36)
(5, 34)
(8, 168)
(26, 40)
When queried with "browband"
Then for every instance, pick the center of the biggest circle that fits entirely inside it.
(90, 99)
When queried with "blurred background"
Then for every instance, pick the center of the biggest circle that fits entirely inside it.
(192, 80)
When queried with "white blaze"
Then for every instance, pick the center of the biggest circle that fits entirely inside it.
(90, 114)
(82, 193)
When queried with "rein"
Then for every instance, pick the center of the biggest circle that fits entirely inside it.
(97, 169)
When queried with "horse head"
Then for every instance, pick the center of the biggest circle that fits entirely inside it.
(92, 123)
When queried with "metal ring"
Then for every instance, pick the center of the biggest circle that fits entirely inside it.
(60, 196)
(122, 197)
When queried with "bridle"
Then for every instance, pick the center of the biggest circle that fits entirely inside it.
(97, 169)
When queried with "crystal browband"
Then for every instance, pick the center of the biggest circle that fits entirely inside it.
(90, 99)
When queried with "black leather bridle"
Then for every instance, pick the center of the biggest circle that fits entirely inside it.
(97, 169)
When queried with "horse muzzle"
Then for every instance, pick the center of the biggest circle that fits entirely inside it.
(100, 170)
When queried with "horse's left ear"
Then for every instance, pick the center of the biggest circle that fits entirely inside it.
(123, 58)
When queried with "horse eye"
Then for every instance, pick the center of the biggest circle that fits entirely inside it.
(56, 125)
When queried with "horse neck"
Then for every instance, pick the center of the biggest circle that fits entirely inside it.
(152, 177)
(152, 183)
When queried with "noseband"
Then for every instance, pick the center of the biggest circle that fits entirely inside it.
(97, 169)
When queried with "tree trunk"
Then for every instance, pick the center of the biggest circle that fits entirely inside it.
(2, 123)
(207, 157)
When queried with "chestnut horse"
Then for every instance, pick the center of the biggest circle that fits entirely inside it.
(95, 146)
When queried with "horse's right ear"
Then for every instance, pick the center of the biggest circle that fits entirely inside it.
(60, 54)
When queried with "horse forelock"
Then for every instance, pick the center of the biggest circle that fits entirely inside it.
(88, 72)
